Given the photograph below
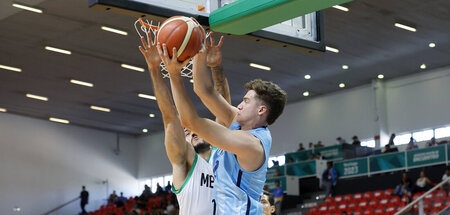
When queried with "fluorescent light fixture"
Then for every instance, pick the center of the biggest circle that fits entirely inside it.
(307, 77)
(100, 108)
(260, 66)
(27, 8)
(380, 76)
(344, 66)
(306, 93)
(10, 68)
(2, 110)
(192, 80)
(331, 49)
(341, 85)
(59, 120)
(423, 66)
(73, 81)
(145, 96)
(151, 115)
(135, 68)
(339, 7)
(62, 51)
(145, 130)
(114, 30)
(36, 97)
(432, 45)
(408, 28)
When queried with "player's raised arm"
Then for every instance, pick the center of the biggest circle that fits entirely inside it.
(178, 150)
(244, 145)
(216, 98)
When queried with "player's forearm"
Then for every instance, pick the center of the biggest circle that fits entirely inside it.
(183, 103)
(202, 80)
(163, 96)
(221, 83)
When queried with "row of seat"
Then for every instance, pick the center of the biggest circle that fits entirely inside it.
(379, 194)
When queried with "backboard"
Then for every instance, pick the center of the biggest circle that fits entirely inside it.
(303, 33)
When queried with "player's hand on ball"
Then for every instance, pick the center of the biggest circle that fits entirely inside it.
(172, 65)
(213, 53)
(150, 52)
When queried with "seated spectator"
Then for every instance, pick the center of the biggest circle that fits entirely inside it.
(407, 188)
(423, 183)
(290, 160)
(340, 141)
(356, 141)
(319, 144)
(112, 197)
(444, 177)
(300, 147)
(168, 188)
(388, 149)
(411, 144)
(311, 156)
(277, 172)
(391, 139)
(310, 145)
(121, 200)
(399, 188)
(432, 142)
(319, 156)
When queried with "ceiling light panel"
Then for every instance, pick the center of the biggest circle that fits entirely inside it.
(32, 96)
(14, 69)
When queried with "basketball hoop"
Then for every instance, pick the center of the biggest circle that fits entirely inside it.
(148, 27)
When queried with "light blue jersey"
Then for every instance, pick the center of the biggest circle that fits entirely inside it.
(236, 190)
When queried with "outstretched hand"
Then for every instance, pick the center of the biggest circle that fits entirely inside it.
(150, 52)
(172, 65)
(213, 53)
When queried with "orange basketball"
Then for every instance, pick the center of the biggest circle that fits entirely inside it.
(182, 33)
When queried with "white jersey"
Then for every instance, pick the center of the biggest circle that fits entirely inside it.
(195, 196)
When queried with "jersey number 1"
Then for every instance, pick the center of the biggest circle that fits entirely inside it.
(214, 210)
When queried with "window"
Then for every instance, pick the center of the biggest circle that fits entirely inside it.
(402, 139)
(368, 143)
(423, 135)
(281, 160)
(167, 179)
(442, 132)
(155, 181)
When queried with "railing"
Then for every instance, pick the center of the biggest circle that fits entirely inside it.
(372, 164)
(61, 206)
(420, 199)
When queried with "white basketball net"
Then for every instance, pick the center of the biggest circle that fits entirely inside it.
(147, 27)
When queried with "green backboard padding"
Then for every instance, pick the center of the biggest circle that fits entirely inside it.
(245, 16)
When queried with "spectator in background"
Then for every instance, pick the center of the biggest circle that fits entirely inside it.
(277, 172)
(159, 190)
(319, 156)
(319, 144)
(423, 183)
(121, 200)
(168, 188)
(278, 197)
(388, 149)
(84, 196)
(267, 203)
(391, 139)
(300, 147)
(290, 160)
(444, 177)
(112, 197)
(399, 188)
(329, 179)
(411, 144)
(340, 141)
(311, 156)
(310, 145)
(356, 141)
(143, 198)
(275, 163)
(432, 142)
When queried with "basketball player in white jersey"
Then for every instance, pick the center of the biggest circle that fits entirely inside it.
(193, 178)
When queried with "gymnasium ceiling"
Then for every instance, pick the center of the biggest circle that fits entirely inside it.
(366, 37)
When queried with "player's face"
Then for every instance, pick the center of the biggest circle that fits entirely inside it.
(249, 107)
(192, 138)
(267, 208)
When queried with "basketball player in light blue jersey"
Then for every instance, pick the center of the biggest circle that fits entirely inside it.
(189, 155)
(240, 164)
